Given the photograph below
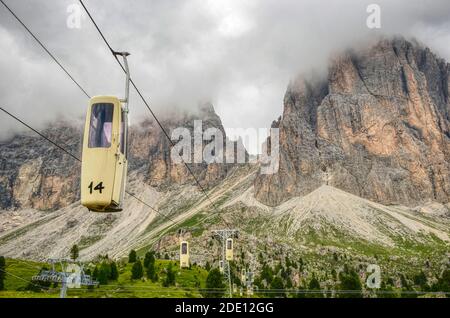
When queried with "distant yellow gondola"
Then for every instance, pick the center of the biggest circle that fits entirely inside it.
(229, 250)
(104, 159)
(184, 254)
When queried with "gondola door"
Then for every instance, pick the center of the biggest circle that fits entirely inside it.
(121, 160)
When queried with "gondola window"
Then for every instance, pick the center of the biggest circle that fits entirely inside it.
(100, 130)
(184, 248)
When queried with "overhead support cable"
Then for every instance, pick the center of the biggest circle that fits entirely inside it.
(202, 189)
(45, 49)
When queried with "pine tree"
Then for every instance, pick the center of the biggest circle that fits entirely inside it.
(403, 281)
(300, 264)
(132, 256)
(102, 277)
(314, 285)
(103, 273)
(137, 271)
(421, 281)
(151, 272)
(2, 272)
(300, 293)
(277, 283)
(170, 276)
(214, 282)
(333, 274)
(387, 289)
(349, 280)
(74, 252)
(287, 262)
(114, 273)
(266, 274)
(149, 259)
(443, 282)
(95, 273)
(106, 268)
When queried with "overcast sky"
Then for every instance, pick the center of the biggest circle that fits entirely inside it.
(240, 55)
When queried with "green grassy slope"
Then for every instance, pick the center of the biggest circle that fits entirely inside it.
(188, 283)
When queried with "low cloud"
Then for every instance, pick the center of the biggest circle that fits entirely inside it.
(240, 55)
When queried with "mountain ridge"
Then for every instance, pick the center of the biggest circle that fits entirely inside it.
(378, 126)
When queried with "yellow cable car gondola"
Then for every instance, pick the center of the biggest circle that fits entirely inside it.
(104, 161)
(184, 254)
(229, 250)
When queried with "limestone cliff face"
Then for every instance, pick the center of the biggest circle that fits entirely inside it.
(378, 127)
(35, 174)
(150, 151)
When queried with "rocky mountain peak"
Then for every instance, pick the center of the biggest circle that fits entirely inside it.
(35, 174)
(376, 126)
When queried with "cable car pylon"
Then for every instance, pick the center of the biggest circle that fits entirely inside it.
(104, 163)
(72, 275)
(225, 237)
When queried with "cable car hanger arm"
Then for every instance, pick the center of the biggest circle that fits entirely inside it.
(128, 77)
